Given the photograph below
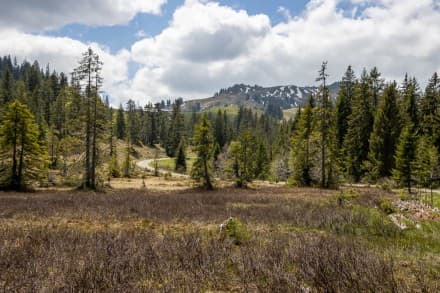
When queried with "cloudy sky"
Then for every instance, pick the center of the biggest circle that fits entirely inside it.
(154, 49)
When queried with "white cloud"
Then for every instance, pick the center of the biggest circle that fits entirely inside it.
(63, 54)
(34, 16)
(208, 46)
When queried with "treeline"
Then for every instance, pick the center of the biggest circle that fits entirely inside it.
(373, 130)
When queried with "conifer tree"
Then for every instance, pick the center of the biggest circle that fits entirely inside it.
(203, 143)
(343, 104)
(88, 77)
(384, 138)
(410, 101)
(376, 85)
(427, 164)
(176, 128)
(180, 160)
(261, 162)
(360, 126)
(6, 87)
(219, 129)
(120, 123)
(22, 156)
(430, 111)
(241, 154)
(302, 149)
(405, 155)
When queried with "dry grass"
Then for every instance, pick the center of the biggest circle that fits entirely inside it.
(168, 240)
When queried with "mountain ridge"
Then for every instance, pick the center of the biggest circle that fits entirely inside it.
(285, 97)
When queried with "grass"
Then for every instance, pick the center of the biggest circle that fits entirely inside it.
(274, 239)
(169, 164)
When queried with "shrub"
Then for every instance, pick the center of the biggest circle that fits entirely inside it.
(235, 230)
(386, 205)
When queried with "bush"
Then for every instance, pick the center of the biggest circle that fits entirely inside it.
(235, 230)
(386, 205)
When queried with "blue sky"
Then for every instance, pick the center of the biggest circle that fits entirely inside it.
(118, 37)
(161, 49)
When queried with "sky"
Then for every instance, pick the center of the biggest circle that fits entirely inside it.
(164, 49)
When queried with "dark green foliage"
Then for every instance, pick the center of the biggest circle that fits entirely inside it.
(410, 101)
(405, 155)
(175, 132)
(180, 160)
(385, 135)
(6, 87)
(22, 156)
(304, 146)
(242, 157)
(262, 163)
(203, 141)
(120, 123)
(360, 126)
(430, 111)
(343, 104)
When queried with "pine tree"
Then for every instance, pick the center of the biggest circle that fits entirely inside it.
(376, 85)
(22, 156)
(88, 76)
(6, 87)
(405, 155)
(219, 129)
(203, 144)
(241, 155)
(120, 123)
(180, 160)
(426, 161)
(410, 101)
(302, 149)
(360, 126)
(430, 111)
(261, 162)
(343, 104)
(386, 131)
(175, 131)
(325, 117)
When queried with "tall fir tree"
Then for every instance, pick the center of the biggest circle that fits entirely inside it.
(343, 104)
(203, 142)
(384, 138)
(405, 155)
(430, 111)
(23, 158)
(360, 126)
(120, 123)
(180, 160)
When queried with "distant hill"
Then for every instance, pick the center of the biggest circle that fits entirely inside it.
(257, 97)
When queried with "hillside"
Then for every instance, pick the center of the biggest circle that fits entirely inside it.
(258, 97)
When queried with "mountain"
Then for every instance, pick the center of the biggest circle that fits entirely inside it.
(258, 97)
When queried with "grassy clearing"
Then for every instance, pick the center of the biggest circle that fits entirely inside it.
(278, 239)
(169, 164)
(289, 113)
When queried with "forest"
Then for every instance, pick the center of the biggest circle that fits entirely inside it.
(339, 196)
(60, 125)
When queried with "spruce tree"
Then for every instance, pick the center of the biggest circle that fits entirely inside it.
(360, 126)
(343, 104)
(302, 148)
(87, 76)
(120, 123)
(384, 138)
(203, 142)
(426, 161)
(242, 156)
(405, 155)
(22, 156)
(262, 162)
(410, 101)
(6, 87)
(430, 111)
(180, 160)
(175, 132)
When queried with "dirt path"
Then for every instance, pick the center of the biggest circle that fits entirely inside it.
(147, 164)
